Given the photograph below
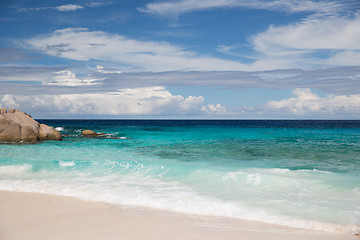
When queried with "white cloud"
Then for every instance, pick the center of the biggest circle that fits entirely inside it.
(176, 8)
(62, 8)
(101, 69)
(323, 40)
(68, 7)
(158, 101)
(67, 78)
(324, 33)
(307, 103)
(327, 37)
(9, 100)
(217, 109)
(344, 58)
(318, 41)
(83, 45)
(130, 101)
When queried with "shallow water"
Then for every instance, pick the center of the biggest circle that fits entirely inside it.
(303, 174)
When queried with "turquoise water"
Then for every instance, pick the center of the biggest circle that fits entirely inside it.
(303, 174)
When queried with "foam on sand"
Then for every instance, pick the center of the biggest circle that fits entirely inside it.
(50, 217)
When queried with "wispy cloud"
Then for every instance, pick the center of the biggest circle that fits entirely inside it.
(326, 33)
(61, 80)
(68, 7)
(84, 45)
(316, 41)
(176, 8)
(328, 36)
(61, 8)
(230, 50)
(98, 4)
(320, 41)
(342, 80)
(278, 48)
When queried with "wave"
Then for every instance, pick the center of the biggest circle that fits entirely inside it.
(67, 164)
(113, 136)
(60, 129)
(15, 169)
(181, 200)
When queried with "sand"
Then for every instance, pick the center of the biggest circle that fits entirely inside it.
(32, 216)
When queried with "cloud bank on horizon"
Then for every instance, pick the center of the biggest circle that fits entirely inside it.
(182, 59)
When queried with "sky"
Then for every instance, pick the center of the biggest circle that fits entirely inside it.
(181, 59)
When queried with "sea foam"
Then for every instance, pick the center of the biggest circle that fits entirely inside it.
(67, 164)
(15, 169)
(182, 200)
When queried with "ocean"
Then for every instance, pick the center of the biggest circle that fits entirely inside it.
(300, 173)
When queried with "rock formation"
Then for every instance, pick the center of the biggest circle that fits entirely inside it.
(90, 133)
(48, 133)
(18, 126)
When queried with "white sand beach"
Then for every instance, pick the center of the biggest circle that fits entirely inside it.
(34, 216)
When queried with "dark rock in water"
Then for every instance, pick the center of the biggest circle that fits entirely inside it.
(90, 133)
(18, 126)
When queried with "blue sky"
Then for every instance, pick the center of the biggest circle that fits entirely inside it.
(181, 59)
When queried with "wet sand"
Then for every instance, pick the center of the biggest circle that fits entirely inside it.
(34, 216)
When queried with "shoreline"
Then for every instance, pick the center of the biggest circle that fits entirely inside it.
(40, 216)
